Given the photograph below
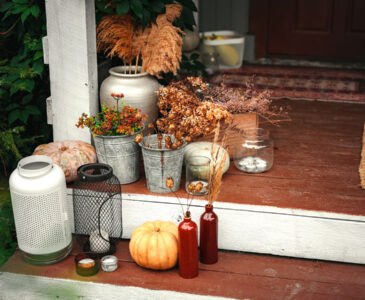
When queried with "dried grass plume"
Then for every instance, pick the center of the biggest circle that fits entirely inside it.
(216, 165)
(159, 45)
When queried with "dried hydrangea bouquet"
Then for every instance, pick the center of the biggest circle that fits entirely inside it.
(191, 108)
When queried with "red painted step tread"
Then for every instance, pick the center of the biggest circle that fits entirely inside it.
(235, 275)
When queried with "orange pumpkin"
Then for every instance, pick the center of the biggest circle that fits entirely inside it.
(154, 245)
(69, 155)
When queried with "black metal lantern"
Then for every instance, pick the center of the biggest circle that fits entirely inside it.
(97, 200)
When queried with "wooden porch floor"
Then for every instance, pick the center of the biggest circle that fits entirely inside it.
(316, 161)
(316, 168)
(236, 275)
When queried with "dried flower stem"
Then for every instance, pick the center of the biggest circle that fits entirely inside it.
(248, 99)
(216, 166)
(135, 71)
(191, 200)
(182, 208)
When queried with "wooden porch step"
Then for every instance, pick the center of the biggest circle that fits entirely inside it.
(309, 205)
(316, 161)
(236, 275)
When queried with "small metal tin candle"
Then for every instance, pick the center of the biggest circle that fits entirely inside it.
(109, 263)
(86, 265)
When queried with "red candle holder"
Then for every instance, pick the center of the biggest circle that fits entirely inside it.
(188, 248)
(208, 236)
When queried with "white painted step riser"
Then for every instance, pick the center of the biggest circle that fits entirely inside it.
(259, 229)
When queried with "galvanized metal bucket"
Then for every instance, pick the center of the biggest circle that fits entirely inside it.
(122, 154)
(160, 164)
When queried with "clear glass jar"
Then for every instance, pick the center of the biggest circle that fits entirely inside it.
(210, 60)
(254, 152)
(197, 175)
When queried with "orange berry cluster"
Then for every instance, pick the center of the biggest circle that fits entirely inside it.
(111, 122)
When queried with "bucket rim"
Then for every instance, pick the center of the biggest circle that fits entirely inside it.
(144, 147)
(118, 136)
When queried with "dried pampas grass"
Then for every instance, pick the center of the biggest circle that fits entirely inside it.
(114, 37)
(158, 45)
(162, 53)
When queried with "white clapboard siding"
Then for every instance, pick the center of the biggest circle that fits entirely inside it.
(72, 62)
(259, 229)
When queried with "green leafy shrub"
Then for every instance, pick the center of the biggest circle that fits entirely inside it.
(7, 228)
(24, 87)
(144, 11)
(24, 81)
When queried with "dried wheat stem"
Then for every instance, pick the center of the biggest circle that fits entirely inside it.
(191, 200)
(178, 199)
(135, 71)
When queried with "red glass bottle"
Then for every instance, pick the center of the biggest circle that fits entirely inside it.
(208, 236)
(188, 248)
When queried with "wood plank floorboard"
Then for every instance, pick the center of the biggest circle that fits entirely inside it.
(316, 162)
(236, 275)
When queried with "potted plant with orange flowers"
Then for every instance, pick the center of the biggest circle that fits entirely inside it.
(114, 130)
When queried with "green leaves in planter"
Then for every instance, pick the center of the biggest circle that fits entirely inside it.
(122, 8)
(145, 11)
(191, 65)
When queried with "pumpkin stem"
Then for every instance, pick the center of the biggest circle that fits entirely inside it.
(63, 148)
(158, 230)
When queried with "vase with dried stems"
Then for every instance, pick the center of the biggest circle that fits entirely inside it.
(188, 234)
(145, 52)
(209, 220)
(163, 156)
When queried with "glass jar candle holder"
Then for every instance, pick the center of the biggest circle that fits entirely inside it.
(210, 60)
(86, 264)
(197, 175)
(254, 152)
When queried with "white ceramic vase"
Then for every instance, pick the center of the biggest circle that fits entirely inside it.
(139, 91)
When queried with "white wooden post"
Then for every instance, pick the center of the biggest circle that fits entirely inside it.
(196, 14)
(72, 64)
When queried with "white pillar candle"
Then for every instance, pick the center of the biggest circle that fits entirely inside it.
(99, 243)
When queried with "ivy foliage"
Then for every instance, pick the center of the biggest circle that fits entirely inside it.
(24, 80)
(24, 87)
(145, 11)
(7, 227)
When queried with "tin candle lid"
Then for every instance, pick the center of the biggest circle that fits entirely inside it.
(109, 263)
